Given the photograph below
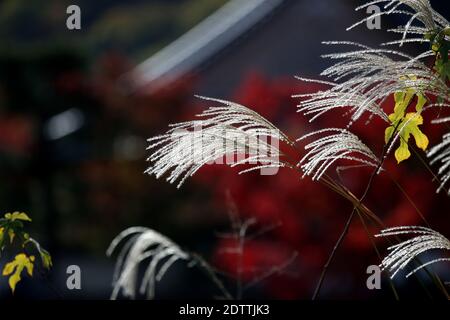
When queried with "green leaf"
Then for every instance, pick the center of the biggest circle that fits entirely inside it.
(440, 45)
(2, 237)
(45, 255)
(46, 259)
(388, 134)
(11, 235)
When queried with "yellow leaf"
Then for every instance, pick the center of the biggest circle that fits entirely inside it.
(421, 139)
(435, 47)
(421, 100)
(406, 124)
(8, 269)
(17, 216)
(388, 133)
(402, 152)
(15, 268)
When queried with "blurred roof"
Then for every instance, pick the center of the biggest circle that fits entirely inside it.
(203, 41)
(277, 38)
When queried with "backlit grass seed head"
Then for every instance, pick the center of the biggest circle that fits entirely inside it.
(361, 80)
(422, 18)
(143, 244)
(402, 254)
(337, 144)
(440, 153)
(228, 130)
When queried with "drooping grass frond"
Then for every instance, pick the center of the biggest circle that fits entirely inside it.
(402, 254)
(321, 102)
(378, 73)
(227, 130)
(142, 244)
(363, 79)
(340, 144)
(422, 17)
(440, 153)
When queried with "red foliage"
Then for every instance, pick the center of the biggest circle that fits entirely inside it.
(16, 134)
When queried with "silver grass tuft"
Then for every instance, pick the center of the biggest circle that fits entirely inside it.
(321, 102)
(440, 153)
(339, 144)
(402, 254)
(363, 79)
(223, 130)
(143, 244)
(419, 11)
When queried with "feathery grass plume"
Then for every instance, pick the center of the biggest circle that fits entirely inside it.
(143, 244)
(364, 78)
(402, 254)
(441, 153)
(321, 102)
(340, 144)
(423, 18)
(228, 129)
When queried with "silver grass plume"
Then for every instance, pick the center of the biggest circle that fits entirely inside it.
(228, 128)
(318, 103)
(419, 11)
(142, 244)
(440, 153)
(403, 253)
(363, 79)
(337, 145)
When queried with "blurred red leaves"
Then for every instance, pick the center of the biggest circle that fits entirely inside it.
(16, 134)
